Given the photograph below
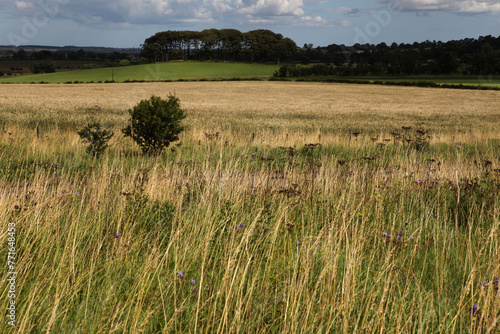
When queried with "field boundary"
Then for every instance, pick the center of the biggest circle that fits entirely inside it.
(423, 84)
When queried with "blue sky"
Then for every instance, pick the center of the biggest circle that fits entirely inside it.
(126, 23)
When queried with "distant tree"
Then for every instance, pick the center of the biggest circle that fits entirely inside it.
(47, 66)
(80, 54)
(20, 55)
(285, 49)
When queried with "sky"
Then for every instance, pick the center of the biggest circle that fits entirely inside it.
(127, 23)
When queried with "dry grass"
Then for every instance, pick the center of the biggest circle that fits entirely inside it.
(255, 106)
(178, 213)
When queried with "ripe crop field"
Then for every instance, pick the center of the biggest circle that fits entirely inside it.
(284, 208)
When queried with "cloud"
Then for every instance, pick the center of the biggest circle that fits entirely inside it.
(22, 5)
(454, 6)
(347, 11)
(274, 8)
(102, 13)
(319, 22)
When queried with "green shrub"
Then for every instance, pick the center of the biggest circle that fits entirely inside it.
(47, 66)
(96, 138)
(155, 123)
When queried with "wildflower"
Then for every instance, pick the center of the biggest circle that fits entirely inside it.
(389, 236)
(483, 284)
(241, 225)
(298, 243)
(236, 227)
(195, 289)
(474, 310)
(180, 274)
(192, 282)
(319, 245)
(412, 238)
(406, 223)
(404, 279)
(384, 234)
(117, 235)
(400, 236)
(263, 227)
(99, 202)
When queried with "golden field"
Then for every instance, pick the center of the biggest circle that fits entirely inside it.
(254, 106)
(254, 234)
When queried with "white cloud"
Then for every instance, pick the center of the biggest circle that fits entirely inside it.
(319, 22)
(274, 8)
(112, 13)
(454, 6)
(22, 5)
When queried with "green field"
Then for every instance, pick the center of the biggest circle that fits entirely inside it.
(152, 72)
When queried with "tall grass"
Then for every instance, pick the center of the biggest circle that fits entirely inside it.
(238, 232)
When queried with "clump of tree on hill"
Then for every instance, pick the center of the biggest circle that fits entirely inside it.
(213, 44)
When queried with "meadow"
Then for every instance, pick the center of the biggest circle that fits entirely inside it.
(152, 72)
(285, 207)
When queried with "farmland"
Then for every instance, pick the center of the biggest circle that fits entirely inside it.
(285, 207)
(152, 72)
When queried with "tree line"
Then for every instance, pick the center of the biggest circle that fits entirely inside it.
(467, 56)
(479, 56)
(225, 44)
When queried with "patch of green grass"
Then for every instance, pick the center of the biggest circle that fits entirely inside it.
(152, 72)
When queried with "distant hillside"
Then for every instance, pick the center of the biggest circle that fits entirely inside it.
(152, 72)
(68, 48)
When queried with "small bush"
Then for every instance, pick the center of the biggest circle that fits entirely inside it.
(96, 138)
(155, 123)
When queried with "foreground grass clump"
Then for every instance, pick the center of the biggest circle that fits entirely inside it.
(224, 234)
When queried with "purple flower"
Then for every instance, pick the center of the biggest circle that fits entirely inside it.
(298, 243)
(241, 225)
(99, 202)
(406, 223)
(180, 274)
(384, 234)
(483, 284)
(404, 279)
(389, 236)
(236, 227)
(412, 238)
(195, 289)
(117, 235)
(400, 235)
(263, 227)
(474, 310)
(192, 282)
(319, 245)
